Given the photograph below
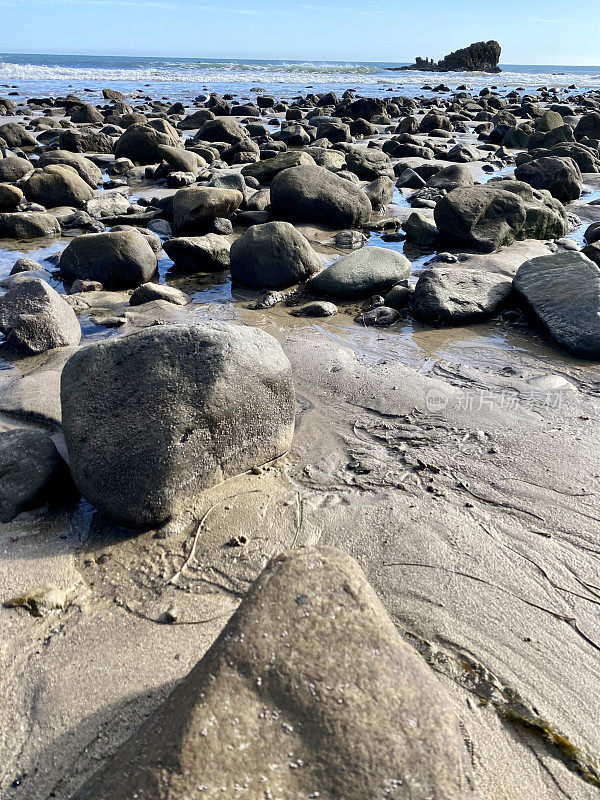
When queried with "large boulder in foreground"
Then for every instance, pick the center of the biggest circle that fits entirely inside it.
(314, 194)
(272, 256)
(142, 143)
(153, 418)
(196, 207)
(118, 259)
(487, 217)
(57, 185)
(309, 691)
(366, 271)
(454, 296)
(33, 472)
(560, 176)
(563, 290)
(35, 318)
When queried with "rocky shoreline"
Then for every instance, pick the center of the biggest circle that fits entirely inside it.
(294, 377)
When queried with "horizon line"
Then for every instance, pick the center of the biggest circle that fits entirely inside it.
(239, 58)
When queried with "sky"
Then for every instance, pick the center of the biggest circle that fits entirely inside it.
(530, 31)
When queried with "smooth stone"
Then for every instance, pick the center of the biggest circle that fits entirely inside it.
(148, 292)
(153, 418)
(209, 253)
(563, 290)
(366, 271)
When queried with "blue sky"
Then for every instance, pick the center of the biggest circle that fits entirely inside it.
(530, 31)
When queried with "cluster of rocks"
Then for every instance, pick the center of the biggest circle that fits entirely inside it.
(154, 417)
(241, 188)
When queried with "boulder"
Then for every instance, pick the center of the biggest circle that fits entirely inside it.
(182, 160)
(451, 177)
(10, 197)
(222, 129)
(369, 163)
(420, 230)
(57, 185)
(309, 691)
(28, 225)
(264, 171)
(118, 259)
(195, 120)
(314, 194)
(107, 204)
(380, 192)
(208, 253)
(33, 472)
(15, 135)
(588, 127)
(153, 418)
(487, 217)
(195, 207)
(85, 168)
(86, 113)
(272, 256)
(367, 271)
(563, 291)
(35, 318)
(14, 168)
(560, 176)
(142, 143)
(454, 296)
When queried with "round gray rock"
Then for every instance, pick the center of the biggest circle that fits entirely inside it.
(366, 271)
(153, 418)
(118, 259)
(35, 318)
(272, 256)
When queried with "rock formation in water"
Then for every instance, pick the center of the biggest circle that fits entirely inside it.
(477, 57)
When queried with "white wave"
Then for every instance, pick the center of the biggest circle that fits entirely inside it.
(291, 74)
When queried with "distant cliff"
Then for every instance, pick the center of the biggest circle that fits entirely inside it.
(477, 57)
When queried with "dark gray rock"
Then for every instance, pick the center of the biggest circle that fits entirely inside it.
(118, 259)
(142, 143)
(379, 317)
(369, 163)
(153, 418)
(196, 207)
(264, 171)
(560, 176)
(14, 168)
(28, 225)
(314, 194)
(85, 168)
(452, 296)
(563, 290)
(35, 318)
(272, 256)
(366, 271)
(318, 308)
(487, 217)
(148, 292)
(451, 177)
(57, 185)
(210, 253)
(10, 197)
(33, 473)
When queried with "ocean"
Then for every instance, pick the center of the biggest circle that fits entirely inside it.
(183, 78)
